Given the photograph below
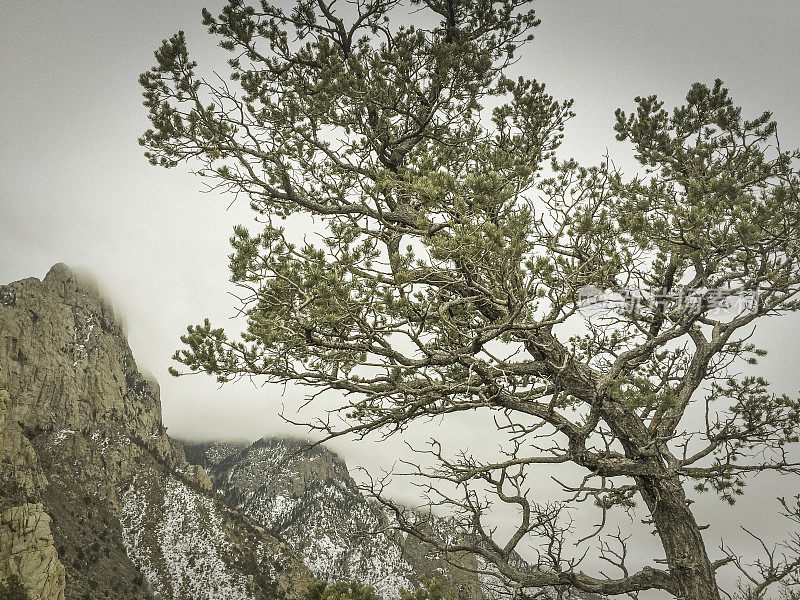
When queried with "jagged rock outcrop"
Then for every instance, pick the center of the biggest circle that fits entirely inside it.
(307, 497)
(81, 437)
(27, 550)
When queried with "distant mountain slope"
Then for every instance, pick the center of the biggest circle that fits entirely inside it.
(96, 501)
(310, 500)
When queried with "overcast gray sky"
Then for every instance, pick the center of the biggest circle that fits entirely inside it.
(75, 187)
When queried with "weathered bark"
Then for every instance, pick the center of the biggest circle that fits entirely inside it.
(683, 543)
(662, 491)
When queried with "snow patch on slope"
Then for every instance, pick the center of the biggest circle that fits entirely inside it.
(310, 500)
(184, 557)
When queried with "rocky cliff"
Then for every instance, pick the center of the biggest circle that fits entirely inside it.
(96, 500)
(27, 550)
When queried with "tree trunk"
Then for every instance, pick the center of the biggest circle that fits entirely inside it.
(685, 549)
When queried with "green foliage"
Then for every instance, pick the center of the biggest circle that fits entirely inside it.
(431, 589)
(341, 590)
(13, 589)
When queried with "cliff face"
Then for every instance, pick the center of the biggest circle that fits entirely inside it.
(309, 499)
(96, 500)
(27, 550)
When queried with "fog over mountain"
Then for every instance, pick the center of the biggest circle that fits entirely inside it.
(76, 188)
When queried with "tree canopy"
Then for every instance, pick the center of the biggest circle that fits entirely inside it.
(602, 319)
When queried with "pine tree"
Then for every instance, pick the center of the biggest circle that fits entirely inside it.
(458, 256)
